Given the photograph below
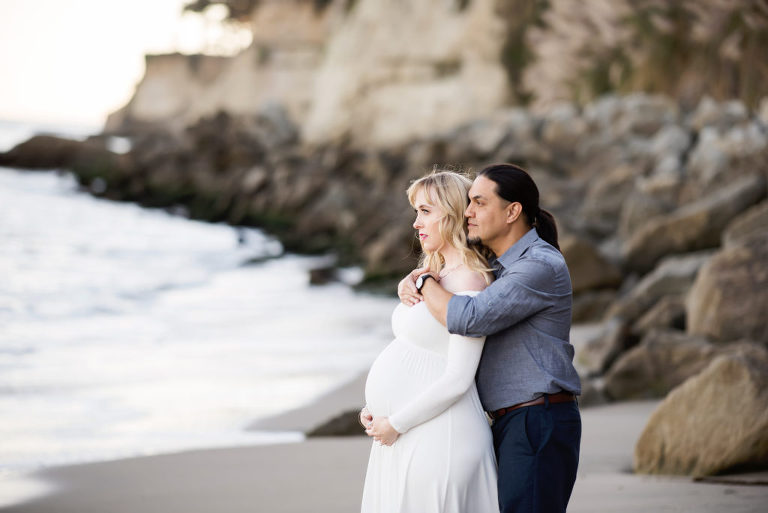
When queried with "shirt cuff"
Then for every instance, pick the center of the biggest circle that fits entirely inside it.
(454, 318)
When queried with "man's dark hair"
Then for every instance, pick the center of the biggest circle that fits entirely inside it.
(514, 184)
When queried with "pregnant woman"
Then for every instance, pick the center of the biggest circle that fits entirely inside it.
(432, 449)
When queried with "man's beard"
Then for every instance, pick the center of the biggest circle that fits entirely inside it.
(474, 241)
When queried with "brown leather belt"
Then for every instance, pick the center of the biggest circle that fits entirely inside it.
(560, 397)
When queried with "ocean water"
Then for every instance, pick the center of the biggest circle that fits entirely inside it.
(127, 331)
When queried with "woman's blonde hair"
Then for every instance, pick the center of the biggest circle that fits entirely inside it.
(448, 191)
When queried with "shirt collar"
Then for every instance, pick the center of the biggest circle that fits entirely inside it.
(518, 248)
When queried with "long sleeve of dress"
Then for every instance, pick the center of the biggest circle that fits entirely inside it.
(463, 358)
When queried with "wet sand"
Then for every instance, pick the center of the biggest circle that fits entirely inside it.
(326, 474)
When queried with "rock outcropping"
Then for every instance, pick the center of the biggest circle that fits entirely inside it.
(381, 73)
(373, 71)
(729, 299)
(715, 421)
(603, 171)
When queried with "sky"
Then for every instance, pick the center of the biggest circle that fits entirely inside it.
(75, 61)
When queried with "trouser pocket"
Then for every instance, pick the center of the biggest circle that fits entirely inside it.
(538, 427)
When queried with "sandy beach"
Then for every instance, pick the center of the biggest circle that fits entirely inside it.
(326, 474)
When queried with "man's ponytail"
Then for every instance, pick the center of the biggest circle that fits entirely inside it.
(546, 227)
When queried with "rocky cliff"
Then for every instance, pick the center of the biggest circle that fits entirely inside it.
(374, 71)
(380, 73)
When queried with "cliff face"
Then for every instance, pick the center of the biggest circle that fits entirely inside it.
(380, 72)
(682, 48)
(279, 67)
(398, 70)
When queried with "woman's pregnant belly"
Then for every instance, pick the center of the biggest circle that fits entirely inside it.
(398, 374)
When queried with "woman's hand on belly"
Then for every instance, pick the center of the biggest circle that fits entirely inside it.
(365, 418)
(382, 431)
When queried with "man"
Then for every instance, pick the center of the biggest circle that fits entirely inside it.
(526, 379)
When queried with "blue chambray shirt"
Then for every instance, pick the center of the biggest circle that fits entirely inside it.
(526, 316)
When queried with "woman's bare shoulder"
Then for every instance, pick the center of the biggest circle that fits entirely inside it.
(464, 279)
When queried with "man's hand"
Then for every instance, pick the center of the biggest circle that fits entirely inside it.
(365, 418)
(406, 289)
(382, 431)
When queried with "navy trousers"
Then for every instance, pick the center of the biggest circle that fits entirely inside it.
(537, 449)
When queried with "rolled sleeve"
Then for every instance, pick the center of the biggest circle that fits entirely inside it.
(457, 315)
(507, 301)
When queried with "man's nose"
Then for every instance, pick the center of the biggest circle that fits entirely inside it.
(468, 211)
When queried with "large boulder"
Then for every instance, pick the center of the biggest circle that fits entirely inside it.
(729, 299)
(591, 306)
(709, 113)
(563, 128)
(667, 313)
(521, 143)
(695, 226)
(588, 268)
(605, 198)
(511, 131)
(722, 155)
(638, 208)
(343, 424)
(672, 277)
(53, 152)
(752, 223)
(715, 421)
(597, 346)
(668, 148)
(662, 360)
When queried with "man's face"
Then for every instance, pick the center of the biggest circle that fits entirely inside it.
(486, 213)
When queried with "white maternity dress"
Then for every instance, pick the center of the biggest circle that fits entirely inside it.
(443, 462)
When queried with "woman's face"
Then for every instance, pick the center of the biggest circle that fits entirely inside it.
(427, 222)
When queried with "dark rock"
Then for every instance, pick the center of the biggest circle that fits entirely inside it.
(322, 275)
(344, 424)
(588, 268)
(90, 159)
(42, 152)
(592, 305)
